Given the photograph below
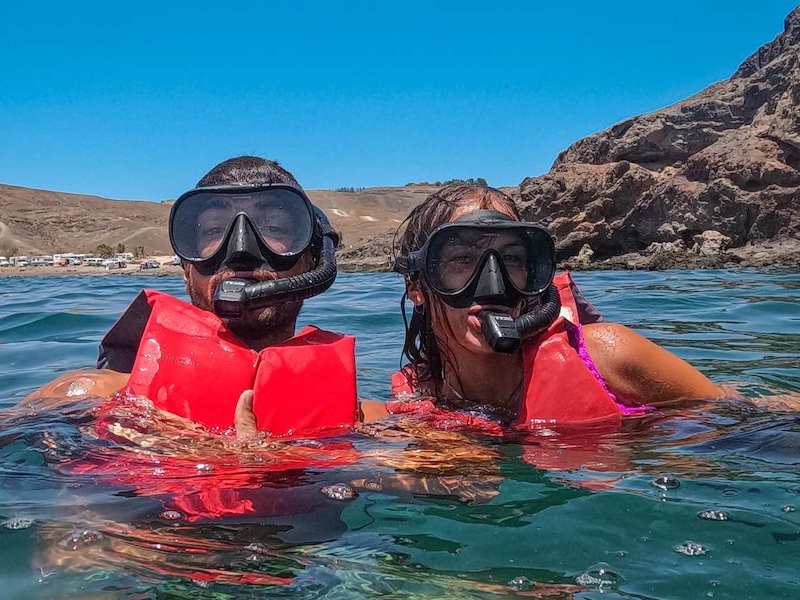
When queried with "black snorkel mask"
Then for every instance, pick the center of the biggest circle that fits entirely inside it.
(488, 258)
(245, 228)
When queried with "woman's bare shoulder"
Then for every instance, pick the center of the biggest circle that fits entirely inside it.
(100, 383)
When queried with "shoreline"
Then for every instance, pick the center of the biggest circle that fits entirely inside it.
(12, 272)
(777, 253)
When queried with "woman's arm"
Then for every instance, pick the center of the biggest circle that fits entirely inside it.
(641, 372)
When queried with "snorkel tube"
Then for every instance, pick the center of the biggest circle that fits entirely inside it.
(505, 334)
(235, 296)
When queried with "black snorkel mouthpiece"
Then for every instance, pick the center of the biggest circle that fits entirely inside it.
(505, 334)
(235, 296)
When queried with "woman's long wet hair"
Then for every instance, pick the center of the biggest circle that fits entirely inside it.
(426, 353)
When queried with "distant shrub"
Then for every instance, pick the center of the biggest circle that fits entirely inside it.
(104, 251)
(468, 181)
(8, 250)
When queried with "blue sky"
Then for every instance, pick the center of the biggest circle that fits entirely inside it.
(138, 100)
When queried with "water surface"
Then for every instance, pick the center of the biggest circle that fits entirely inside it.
(155, 512)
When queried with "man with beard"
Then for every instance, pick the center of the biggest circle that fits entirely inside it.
(252, 247)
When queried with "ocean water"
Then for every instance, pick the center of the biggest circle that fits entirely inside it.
(700, 502)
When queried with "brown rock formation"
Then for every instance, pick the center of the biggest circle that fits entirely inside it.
(726, 160)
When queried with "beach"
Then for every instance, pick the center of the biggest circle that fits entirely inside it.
(133, 268)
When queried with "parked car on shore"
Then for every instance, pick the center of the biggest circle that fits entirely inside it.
(149, 264)
(114, 263)
(4, 262)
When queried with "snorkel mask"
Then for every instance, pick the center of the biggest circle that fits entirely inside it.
(488, 258)
(244, 228)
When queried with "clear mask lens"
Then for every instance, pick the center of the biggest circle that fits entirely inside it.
(281, 218)
(456, 254)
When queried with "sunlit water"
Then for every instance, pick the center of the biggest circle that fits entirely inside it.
(683, 504)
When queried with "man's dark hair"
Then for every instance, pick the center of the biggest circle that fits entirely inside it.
(247, 170)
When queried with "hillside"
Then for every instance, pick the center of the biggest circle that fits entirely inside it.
(717, 172)
(43, 222)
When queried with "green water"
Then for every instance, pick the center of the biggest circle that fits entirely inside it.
(448, 516)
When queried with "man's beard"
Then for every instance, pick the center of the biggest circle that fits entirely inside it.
(254, 324)
(258, 323)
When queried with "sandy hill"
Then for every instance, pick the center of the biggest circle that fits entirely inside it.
(42, 222)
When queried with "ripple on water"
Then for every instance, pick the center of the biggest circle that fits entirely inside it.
(666, 482)
(521, 584)
(713, 515)
(691, 549)
(339, 491)
(17, 523)
(81, 538)
(600, 577)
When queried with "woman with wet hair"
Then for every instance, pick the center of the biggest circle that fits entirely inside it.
(495, 335)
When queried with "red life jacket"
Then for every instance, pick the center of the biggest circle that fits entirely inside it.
(559, 388)
(190, 364)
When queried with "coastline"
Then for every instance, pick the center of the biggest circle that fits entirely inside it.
(164, 271)
(775, 253)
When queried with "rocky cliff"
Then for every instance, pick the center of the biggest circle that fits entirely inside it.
(713, 178)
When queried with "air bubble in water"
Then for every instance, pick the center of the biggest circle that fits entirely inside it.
(691, 549)
(81, 538)
(339, 491)
(171, 515)
(666, 482)
(599, 576)
(521, 584)
(17, 523)
(713, 515)
(788, 508)
(204, 467)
